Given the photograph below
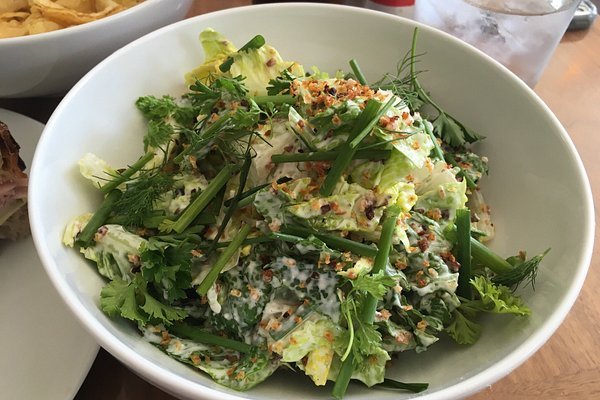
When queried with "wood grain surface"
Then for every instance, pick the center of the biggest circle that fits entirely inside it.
(568, 365)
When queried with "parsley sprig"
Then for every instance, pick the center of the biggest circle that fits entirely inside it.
(373, 288)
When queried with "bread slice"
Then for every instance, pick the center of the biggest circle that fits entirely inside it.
(14, 223)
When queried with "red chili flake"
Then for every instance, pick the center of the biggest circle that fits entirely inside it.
(267, 275)
(423, 244)
(195, 358)
(450, 260)
(370, 212)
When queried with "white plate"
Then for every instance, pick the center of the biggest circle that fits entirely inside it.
(46, 354)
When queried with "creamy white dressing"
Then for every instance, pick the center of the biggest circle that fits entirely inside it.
(445, 281)
(120, 245)
(262, 167)
(425, 339)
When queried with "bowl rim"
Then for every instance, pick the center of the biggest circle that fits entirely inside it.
(170, 381)
(96, 24)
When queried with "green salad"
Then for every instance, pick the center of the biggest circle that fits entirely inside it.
(286, 217)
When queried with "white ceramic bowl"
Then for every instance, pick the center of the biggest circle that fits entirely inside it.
(51, 63)
(537, 186)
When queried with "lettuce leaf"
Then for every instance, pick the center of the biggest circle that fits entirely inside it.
(493, 298)
(498, 299)
(462, 329)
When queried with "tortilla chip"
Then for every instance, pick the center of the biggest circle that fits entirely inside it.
(129, 3)
(19, 16)
(65, 16)
(37, 23)
(12, 24)
(28, 17)
(83, 6)
(8, 6)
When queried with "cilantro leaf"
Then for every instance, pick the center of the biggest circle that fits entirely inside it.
(363, 338)
(367, 339)
(453, 132)
(203, 97)
(132, 300)
(462, 329)
(159, 311)
(493, 298)
(167, 266)
(118, 297)
(231, 88)
(375, 284)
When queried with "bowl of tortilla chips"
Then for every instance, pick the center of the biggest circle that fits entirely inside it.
(46, 46)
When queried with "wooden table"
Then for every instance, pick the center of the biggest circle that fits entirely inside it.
(568, 365)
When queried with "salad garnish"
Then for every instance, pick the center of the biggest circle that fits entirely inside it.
(280, 217)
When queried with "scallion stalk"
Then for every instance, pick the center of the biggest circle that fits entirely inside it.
(274, 99)
(200, 336)
(487, 257)
(200, 202)
(228, 252)
(437, 150)
(128, 173)
(234, 201)
(369, 307)
(336, 242)
(364, 123)
(208, 216)
(385, 245)
(371, 123)
(358, 72)
(329, 156)
(98, 219)
(343, 378)
(255, 43)
(481, 253)
(463, 252)
(395, 385)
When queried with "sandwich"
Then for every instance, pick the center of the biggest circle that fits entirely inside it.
(14, 221)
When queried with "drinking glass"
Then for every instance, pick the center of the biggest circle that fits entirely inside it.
(521, 34)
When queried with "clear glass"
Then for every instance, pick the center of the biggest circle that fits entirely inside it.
(521, 34)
